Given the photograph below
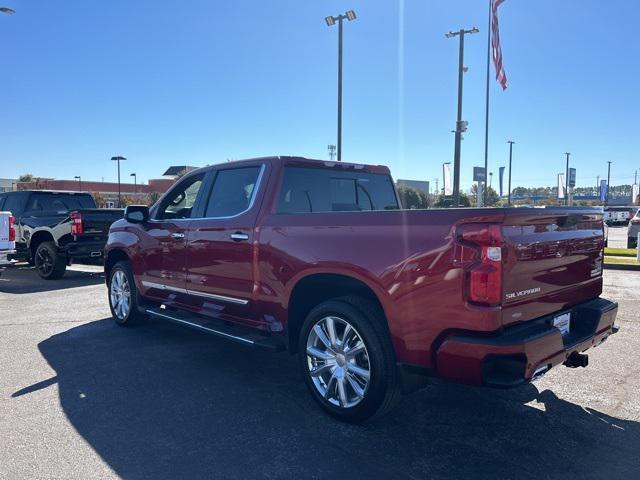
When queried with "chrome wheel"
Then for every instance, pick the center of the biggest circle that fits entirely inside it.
(338, 362)
(120, 295)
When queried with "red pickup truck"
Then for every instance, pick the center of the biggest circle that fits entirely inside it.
(318, 258)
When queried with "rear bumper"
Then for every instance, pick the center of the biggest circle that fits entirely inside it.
(93, 249)
(512, 357)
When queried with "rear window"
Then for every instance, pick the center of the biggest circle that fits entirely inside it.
(58, 202)
(308, 190)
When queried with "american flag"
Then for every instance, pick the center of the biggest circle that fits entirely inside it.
(495, 43)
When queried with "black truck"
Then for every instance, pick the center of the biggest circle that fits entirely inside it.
(54, 228)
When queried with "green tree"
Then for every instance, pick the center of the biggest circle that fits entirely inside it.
(410, 198)
(447, 202)
(492, 196)
(26, 177)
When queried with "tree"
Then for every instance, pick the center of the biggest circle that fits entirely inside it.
(26, 177)
(492, 196)
(447, 202)
(99, 199)
(410, 198)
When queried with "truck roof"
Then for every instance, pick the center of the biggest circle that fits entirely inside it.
(50, 191)
(309, 162)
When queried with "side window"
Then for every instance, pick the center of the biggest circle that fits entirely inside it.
(181, 199)
(2, 197)
(14, 204)
(232, 191)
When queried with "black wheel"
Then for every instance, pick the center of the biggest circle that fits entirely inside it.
(123, 295)
(347, 360)
(632, 242)
(49, 263)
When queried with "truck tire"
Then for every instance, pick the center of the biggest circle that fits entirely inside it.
(49, 263)
(123, 295)
(347, 360)
(632, 242)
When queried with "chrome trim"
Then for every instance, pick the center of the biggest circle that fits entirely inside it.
(239, 236)
(177, 235)
(200, 327)
(213, 296)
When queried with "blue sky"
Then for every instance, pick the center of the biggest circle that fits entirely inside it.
(200, 81)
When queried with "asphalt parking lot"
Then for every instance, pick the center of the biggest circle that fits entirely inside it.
(81, 398)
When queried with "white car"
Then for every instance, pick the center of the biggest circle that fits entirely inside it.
(7, 238)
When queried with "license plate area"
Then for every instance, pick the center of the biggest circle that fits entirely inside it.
(563, 323)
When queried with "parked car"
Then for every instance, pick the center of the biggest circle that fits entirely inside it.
(633, 230)
(7, 238)
(53, 228)
(318, 258)
(618, 215)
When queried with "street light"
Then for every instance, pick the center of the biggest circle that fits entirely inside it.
(510, 142)
(461, 126)
(606, 202)
(135, 183)
(331, 20)
(79, 178)
(118, 159)
(566, 181)
(490, 180)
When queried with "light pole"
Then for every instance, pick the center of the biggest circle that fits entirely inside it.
(460, 125)
(331, 20)
(490, 183)
(135, 183)
(566, 181)
(606, 201)
(118, 159)
(510, 142)
(79, 178)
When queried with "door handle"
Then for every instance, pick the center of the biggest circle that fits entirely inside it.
(239, 237)
(177, 236)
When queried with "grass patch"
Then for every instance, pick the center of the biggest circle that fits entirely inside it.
(621, 261)
(621, 252)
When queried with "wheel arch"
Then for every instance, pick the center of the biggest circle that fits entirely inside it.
(114, 256)
(313, 288)
(37, 238)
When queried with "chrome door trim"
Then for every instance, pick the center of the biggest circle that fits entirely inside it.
(212, 296)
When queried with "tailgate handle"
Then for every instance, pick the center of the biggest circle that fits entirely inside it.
(239, 237)
(177, 236)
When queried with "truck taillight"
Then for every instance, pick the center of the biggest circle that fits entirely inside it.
(12, 228)
(76, 223)
(635, 221)
(484, 267)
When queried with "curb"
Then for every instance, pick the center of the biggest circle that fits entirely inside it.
(620, 266)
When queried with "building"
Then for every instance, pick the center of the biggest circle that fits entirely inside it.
(7, 184)
(419, 185)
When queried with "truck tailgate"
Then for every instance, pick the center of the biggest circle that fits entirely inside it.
(96, 221)
(553, 261)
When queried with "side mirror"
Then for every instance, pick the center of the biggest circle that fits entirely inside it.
(136, 213)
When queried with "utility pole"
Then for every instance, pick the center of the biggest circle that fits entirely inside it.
(510, 142)
(461, 126)
(490, 182)
(606, 202)
(331, 20)
(566, 181)
(135, 182)
(486, 114)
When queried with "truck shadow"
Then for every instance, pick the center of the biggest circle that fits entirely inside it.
(160, 402)
(24, 279)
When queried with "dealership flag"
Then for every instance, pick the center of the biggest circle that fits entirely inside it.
(501, 177)
(560, 185)
(446, 172)
(603, 190)
(501, 77)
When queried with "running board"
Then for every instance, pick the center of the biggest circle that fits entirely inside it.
(219, 328)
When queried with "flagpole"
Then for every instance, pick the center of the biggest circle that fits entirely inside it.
(486, 117)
